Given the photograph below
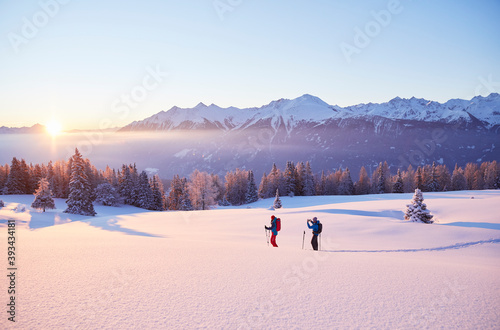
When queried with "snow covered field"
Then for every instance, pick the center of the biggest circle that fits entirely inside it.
(129, 268)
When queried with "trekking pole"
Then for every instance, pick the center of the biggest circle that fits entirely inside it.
(303, 237)
(320, 242)
(267, 237)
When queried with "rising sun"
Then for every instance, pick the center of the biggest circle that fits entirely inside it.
(53, 127)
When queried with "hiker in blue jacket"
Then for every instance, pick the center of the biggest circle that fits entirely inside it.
(314, 224)
(274, 229)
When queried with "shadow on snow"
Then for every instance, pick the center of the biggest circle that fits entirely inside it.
(485, 225)
(399, 215)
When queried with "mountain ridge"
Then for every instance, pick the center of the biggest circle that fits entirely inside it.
(309, 108)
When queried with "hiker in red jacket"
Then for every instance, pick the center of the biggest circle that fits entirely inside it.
(274, 229)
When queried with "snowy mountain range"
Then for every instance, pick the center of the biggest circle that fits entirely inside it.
(401, 132)
(308, 108)
(35, 129)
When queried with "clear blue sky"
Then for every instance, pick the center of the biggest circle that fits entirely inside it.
(84, 55)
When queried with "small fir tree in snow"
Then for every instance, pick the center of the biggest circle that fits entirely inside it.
(80, 194)
(417, 211)
(43, 196)
(107, 195)
(1, 203)
(277, 200)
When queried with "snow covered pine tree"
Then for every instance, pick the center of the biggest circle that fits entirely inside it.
(277, 201)
(417, 211)
(43, 196)
(80, 194)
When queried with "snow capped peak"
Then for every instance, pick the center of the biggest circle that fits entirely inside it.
(308, 98)
(200, 105)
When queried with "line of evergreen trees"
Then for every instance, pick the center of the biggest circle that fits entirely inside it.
(78, 180)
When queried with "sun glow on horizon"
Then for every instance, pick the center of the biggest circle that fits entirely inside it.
(53, 127)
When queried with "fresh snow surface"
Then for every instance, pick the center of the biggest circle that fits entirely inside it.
(129, 268)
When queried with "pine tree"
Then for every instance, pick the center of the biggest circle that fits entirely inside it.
(458, 181)
(107, 195)
(144, 194)
(308, 181)
(381, 179)
(251, 195)
(35, 175)
(444, 177)
(43, 196)
(125, 185)
(346, 187)
(275, 180)
(174, 199)
(219, 189)
(15, 182)
(158, 194)
(417, 211)
(185, 201)
(432, 183)
(362, 186)
(1, 203)
(264, 187)
(237, 187)
(300, 177)
(491, 176)
(321, 184)
(419, 183)
(80, 194)
(277, 200)
(409, 180)
(289, 178)
(398, 185)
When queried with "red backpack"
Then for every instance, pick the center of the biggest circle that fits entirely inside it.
(278, 224)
